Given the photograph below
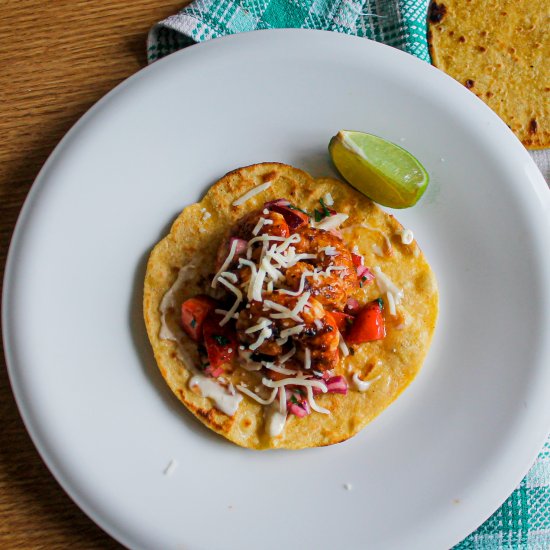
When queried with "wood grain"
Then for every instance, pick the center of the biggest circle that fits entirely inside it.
(57, 58)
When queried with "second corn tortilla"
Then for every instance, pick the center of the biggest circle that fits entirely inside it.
(499, 50)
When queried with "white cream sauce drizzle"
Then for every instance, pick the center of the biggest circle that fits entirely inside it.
(362, 385)
(224, 402)
(407, 236)
(275, 420)
(169, 302)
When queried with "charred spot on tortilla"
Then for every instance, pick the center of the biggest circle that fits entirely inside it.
(285, 311)
(437, 12)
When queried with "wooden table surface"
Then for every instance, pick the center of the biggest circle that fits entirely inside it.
(57, 58)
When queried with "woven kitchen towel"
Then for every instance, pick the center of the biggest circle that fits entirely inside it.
(523, 521)
(398, 23)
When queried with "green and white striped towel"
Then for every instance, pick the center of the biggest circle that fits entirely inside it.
(523, 521)
(399, 23)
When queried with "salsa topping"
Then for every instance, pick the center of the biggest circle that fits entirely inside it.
(288, 312)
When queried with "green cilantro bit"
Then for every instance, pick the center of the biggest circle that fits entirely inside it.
(292, 207)
(322, 214)
(294, 400)
(193, 322)
(326, 211)
(380, 303)
(220, 339)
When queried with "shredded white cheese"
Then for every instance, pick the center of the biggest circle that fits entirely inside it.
(284, 358)
(388, 287)
(226, 263)
(280, 370)
(234, 307)
(301, 286)
(171, 466)
(230, 275)
(261, 325)
(302, 301)
(265, 333)
(329, 250)
(225, 312)
(329, 201)
(256, 397)
(307, 358)
(343, 346)
(332, 222)
(296, 381)
(258, 226)
(314, 406)
(284, 312)
(252, 193)
(285, 333)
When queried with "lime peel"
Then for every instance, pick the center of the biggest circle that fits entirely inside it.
(380, 169)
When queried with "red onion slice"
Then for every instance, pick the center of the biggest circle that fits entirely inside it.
(337, 384)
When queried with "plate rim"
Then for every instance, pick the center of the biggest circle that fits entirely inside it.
(39, 184)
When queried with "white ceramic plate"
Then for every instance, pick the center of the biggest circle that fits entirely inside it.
(426, 472)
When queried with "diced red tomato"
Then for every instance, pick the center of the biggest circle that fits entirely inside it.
(294, 218)
(368, 325)
(357, 259)
(193, 313)
(342, 320)
(220, 342)
(352, 306)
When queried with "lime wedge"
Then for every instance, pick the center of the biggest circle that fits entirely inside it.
(381, 170)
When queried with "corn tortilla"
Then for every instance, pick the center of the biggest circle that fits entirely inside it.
(391, 363)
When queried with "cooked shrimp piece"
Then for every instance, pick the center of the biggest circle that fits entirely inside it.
(333, 288)
(319, 334)
(273, 224)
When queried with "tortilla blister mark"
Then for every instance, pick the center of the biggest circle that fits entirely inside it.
(195, 240)
(499, 50)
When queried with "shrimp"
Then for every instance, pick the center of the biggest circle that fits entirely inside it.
(331, 289)
(274, 225)
(319, 334)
